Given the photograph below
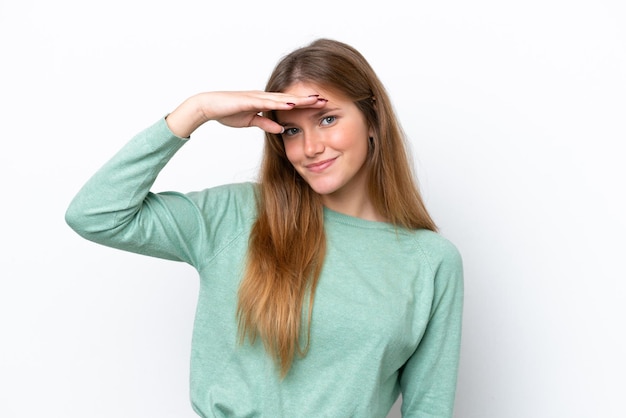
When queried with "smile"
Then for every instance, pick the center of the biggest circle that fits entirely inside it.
(320, 166)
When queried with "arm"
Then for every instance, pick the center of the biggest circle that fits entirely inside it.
(116, 208)
(428, 379)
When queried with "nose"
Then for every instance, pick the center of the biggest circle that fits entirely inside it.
(313, 144)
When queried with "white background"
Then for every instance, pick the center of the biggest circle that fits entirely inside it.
(516, 115)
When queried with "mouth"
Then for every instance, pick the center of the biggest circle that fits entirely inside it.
(320, 166)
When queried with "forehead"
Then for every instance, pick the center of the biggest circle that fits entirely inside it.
(306, 88)
(335, 100)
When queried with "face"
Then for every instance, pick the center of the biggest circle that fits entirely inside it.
(328, 146)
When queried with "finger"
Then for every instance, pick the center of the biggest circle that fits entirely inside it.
(308, 102)
(267, 125)
(282, 101)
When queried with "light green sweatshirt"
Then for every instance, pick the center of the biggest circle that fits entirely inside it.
(386, 318)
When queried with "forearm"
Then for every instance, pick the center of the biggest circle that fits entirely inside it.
(114, 194)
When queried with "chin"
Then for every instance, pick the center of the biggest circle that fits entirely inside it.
(323, 188)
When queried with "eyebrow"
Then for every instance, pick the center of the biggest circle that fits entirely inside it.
(315, 115)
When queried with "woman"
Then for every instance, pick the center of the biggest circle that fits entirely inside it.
(325, 290)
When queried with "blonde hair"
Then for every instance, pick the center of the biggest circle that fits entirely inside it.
(287, 243)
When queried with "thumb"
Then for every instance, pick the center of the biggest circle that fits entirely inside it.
(267, 125)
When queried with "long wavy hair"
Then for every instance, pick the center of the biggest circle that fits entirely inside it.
(287, 242)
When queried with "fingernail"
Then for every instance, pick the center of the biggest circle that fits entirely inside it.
(282, 131)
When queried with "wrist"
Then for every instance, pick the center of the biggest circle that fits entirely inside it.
(186, 118)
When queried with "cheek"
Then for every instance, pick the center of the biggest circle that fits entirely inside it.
(352, 138)
(357, 145)
(291, 151)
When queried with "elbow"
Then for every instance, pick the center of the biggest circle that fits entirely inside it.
(76, 218)
(83, 221)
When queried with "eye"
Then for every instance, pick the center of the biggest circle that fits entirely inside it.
(328, 120)
(291, 131)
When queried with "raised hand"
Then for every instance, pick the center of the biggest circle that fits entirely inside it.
(238, 109)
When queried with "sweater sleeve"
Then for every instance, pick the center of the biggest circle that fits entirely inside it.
(116, 208)
(428, 379)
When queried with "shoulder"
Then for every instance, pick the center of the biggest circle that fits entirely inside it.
(228, 200)
(438, 250)
(241, 191)
(226, 194)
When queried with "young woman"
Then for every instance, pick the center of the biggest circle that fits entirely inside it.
(325, 290)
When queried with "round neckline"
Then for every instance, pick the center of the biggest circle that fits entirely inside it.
(339, 217)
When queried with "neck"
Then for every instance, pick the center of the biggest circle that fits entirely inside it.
(357, 207)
